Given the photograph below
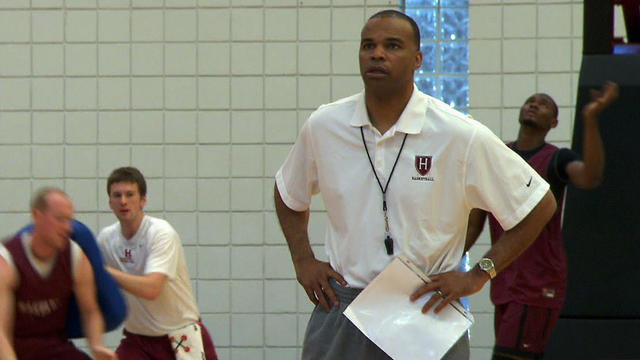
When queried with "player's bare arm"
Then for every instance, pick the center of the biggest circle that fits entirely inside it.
(148, 286)
(7, 285)
(587, 173)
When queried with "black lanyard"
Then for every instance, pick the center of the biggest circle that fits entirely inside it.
(388, 241)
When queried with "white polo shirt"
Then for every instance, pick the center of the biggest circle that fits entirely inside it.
(449, 165)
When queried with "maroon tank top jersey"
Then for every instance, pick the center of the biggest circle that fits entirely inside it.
(539, 276)
(41, 303)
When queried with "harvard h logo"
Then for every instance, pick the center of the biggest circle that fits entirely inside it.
(128, 256)
(423, 164)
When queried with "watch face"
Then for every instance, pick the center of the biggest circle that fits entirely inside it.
(486, 264)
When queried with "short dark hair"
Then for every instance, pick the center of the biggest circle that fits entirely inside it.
(127, 174)
(40, 199)
(400, 15)
(553, 103)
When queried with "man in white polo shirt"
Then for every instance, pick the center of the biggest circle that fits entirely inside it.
(398, 172)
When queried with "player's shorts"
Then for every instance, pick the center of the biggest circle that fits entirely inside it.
(140, 347)
(523, 330)
(47, 348)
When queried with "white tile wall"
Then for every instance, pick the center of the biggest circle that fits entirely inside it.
(47, 26)
(280, 330)
(519, 21)
(180, 161)
(275, 52)
(15, 59)
(81, 93)
(247, 296)
(114, 59)
(46, 94)
(47, 128)
(113, 127)
(552, 20)
(247, 228)
(555, 55)
(15, 160)
(206, 97)
(247, 330)
(110, 157)
(247, 24)
(247, 262)
(518, 55)
(516, 88)
(247, 92)
(15, 127)
(46, 60)
(213, 262)
(213, 194)
(487, 56)
(247, 161)
(485, 22)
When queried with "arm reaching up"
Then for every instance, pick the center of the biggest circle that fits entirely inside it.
(587, 174)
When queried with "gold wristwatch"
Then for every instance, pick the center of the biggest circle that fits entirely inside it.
(486, 265)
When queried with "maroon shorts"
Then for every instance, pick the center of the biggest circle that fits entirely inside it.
(523, 330)
(140, 347)
(47, 348)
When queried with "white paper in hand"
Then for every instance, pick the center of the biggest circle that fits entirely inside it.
(384, 313)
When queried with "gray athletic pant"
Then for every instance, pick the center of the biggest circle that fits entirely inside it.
(331, 336)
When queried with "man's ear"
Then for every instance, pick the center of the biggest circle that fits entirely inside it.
(418, 60)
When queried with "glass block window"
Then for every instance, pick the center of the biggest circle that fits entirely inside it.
(444, 35)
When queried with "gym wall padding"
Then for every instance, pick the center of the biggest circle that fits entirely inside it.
(601, 315)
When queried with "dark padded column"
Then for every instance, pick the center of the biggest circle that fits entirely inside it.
(602, 339)
(597, 27)
(602, 227)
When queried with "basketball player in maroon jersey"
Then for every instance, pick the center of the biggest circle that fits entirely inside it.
(38, 274)
(529, 294)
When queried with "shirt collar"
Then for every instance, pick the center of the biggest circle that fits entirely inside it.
(411, 120)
